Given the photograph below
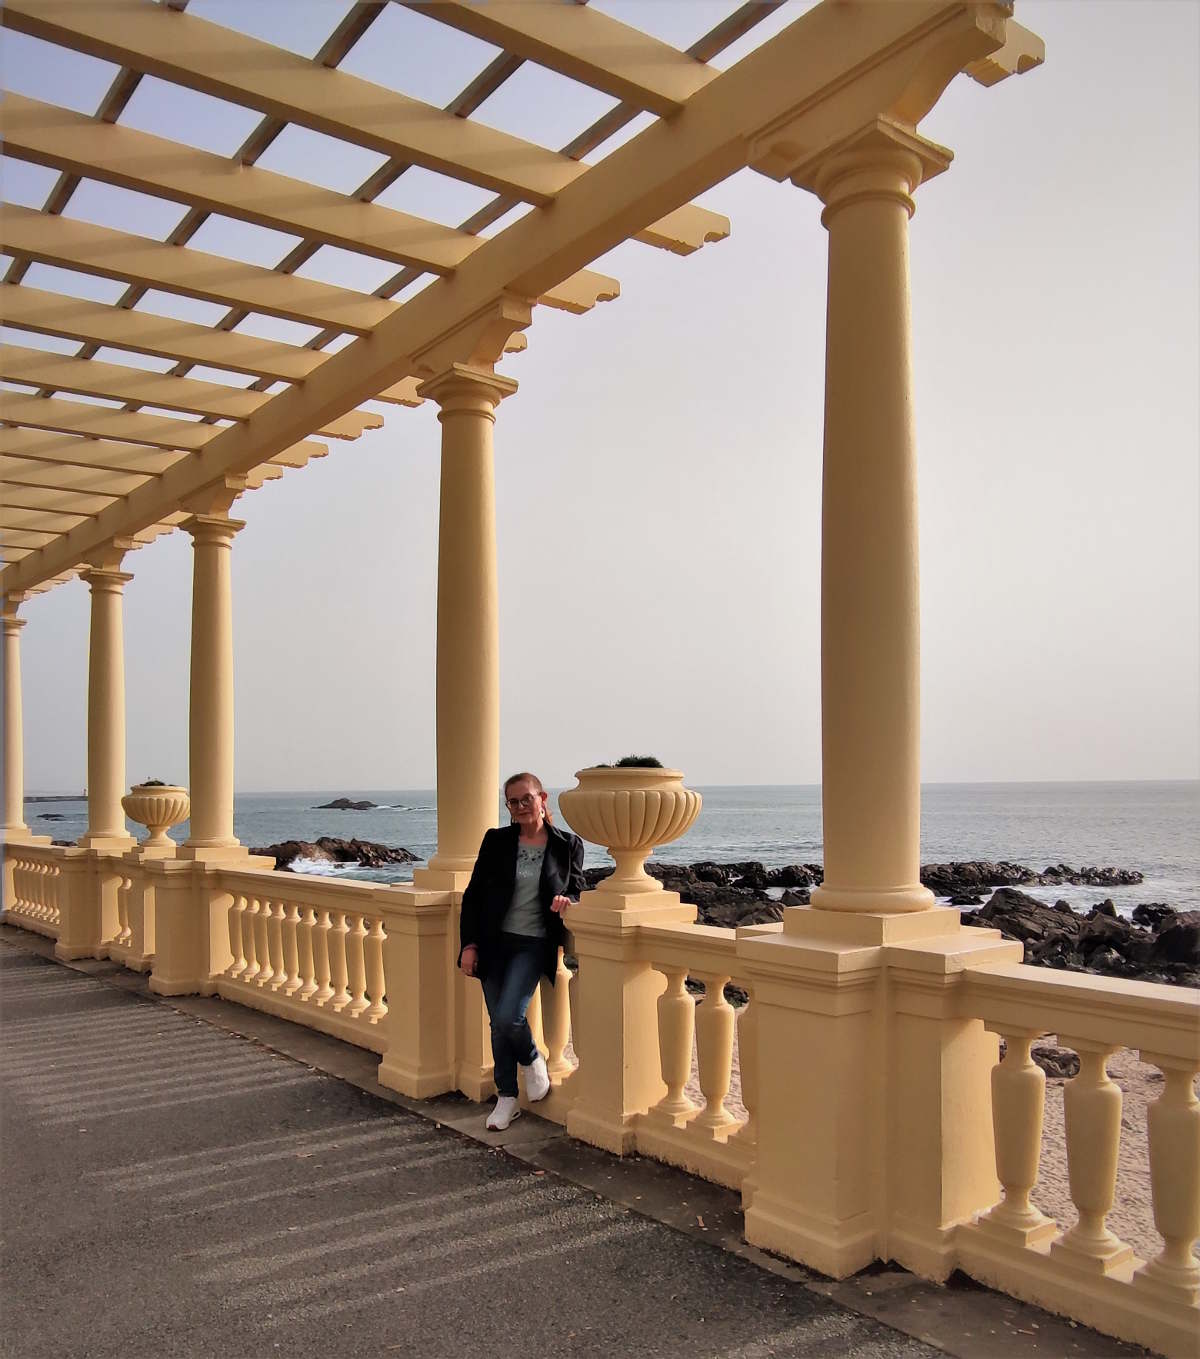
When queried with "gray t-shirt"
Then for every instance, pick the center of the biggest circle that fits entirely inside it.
(524, 915)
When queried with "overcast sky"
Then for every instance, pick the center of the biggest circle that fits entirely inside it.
(658, 473)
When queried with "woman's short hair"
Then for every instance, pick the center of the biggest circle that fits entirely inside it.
(526, 777)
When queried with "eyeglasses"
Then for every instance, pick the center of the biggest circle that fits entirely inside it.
(516, 803)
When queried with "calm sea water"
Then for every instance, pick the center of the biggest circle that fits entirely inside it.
(1148, 826)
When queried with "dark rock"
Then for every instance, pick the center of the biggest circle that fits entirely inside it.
(1061, 1063)
(790, 875)
(1107, 960)
(755, 877)
(1104, 907)
(796, 896)
(1178, 939)
(329, 849)
(966, 899)
(969, 877)
(1152, 913)
(51, 816)
(345, 804)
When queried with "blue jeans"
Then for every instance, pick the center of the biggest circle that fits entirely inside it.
(512, 978)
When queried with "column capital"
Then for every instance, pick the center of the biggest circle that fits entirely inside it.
(462, 388)
(109, 557)
(208, 529)
(11, 623)
(881, 160)
(105, 581)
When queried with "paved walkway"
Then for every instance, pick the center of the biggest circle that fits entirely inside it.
(171, 1188)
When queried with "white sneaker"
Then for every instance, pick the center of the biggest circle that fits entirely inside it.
(537, 1080)
(503, 1114)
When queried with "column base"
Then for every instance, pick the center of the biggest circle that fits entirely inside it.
(431, 879)
(21, 835)
(104, 842)
(868, 928)
(874, 900)
(234, 855)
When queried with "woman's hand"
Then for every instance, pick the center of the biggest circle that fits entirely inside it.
(468, 960)
(560, 904)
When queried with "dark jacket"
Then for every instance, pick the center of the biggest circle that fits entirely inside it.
(493, 881)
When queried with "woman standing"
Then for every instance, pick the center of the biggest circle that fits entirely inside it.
(525, 876)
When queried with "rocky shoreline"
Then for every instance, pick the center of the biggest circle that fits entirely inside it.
(1158, 944)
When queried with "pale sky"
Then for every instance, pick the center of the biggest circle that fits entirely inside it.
(658, 473)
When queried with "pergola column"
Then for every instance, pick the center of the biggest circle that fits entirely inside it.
(106, 703)
(870, 613)
(13, 826)
(858, 1004)
(210, 719)
(468, 663)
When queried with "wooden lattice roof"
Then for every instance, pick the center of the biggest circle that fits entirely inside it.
(95, 448)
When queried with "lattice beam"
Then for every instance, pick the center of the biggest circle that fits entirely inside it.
(582, 43)
(72, 318)
(116, 382)
(65, 140)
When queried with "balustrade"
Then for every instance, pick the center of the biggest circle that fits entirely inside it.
(706, 1138)
(298, 951)
(1087, 1271)
(36, 879)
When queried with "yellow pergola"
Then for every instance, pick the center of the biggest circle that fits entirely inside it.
(871, 1005)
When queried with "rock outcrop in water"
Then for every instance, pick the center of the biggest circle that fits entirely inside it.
(967, 880)
(329, 849)
(1158, 944)
(345, 804)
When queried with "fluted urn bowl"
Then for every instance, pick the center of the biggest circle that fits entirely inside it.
(158, 807)
(630, 811)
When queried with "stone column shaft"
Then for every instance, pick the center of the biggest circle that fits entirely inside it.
(210, 716)
(106, 708)
(468, 645)
(13, 823)
(870, 622)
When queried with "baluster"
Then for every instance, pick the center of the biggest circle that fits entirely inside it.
(262, 942)
(1092, 1109)
(54, 882)
(1174, 1125)
(291, 957)
(250, 939)
(339, 976)
(19, 888)
(747, 1041)
(304, 953)
(1018, 1101)
(714, 1051)
(237, 913)
(556, 1020)
(356, 967)
(676, 1028)
(375, 980)
(320, 942)
(277, 975)
(124, 930)
(533, 1017)
(39, 909)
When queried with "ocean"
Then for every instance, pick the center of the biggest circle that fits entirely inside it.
(1152, 827)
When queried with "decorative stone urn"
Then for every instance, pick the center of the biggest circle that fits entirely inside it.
(157, 806)
(630, 810)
